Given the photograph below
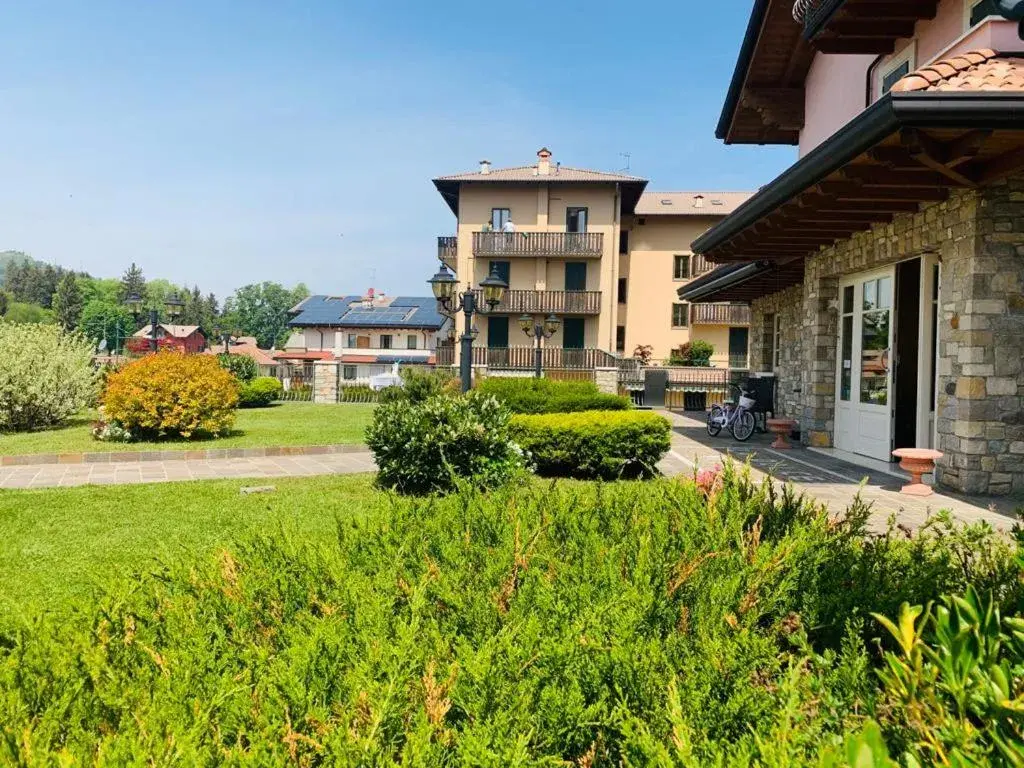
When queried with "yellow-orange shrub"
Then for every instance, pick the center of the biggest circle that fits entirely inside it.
(170, 393)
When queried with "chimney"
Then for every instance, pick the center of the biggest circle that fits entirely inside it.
(544, 161)
(698, 201)
(485, 166)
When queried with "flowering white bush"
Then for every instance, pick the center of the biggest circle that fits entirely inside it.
(110, 432)
(46, 375)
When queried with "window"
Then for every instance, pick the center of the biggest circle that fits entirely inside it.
(976, 11)
(898, 67)
(620, 338)
(576, 220)
(503, 268)
(410, 341)
(680, 315)
(349, 373)
(681, 267)
(352, 343)
(497, 332)
(769, 351)
(624, 241)
(385, 341)
(499, 216)
(575, 275)
(622, 290)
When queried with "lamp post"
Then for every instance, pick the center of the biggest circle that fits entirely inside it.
(173, 307)
(444, 285)
(539, 330)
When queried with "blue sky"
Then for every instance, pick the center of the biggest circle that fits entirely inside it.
(228, 142)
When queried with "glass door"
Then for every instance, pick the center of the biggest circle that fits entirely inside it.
(864, 375)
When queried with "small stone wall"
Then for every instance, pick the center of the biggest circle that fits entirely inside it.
(607, 380)
(325, 381)
(788, 306)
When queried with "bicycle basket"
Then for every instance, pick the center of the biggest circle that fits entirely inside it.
(747, 402)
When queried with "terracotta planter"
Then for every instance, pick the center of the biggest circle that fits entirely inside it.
(918, 462)
(781, 429)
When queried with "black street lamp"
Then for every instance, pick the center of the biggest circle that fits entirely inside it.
(539, 330)
(173, 306)
(444, 285)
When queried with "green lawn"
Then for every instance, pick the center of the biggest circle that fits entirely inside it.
(284, 424)
(58, 544)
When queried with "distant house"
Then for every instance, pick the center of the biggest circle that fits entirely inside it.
(246, 345)
(187, 338)
(367, 334)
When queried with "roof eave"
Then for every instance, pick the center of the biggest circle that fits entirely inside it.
(739, 74)
(981, 109)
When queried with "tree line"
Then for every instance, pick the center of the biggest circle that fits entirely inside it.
(32, 292)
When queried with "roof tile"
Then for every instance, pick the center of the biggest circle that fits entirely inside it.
(983, 70)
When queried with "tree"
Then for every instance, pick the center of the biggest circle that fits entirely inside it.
(133, 283)
(262, 311)
(106, 289)
(22, 312)
(67, 302)
(4, 301)
(107, 321)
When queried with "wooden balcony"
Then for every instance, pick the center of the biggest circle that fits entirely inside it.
(447, 247)
(576, 245)
(543, 302)
(700, 266)
(719, 314)
(863, 26)
(521, 358)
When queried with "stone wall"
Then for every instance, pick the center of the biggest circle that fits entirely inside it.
(788, 306)
(980, 419)
(325, 381)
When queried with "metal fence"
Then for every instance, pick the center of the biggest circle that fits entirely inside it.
(688, 388)
(296, 382)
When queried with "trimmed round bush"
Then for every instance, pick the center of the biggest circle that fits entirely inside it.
(429, 446)
(530, 395)
(46, 376)
(242, 367)
(172, 394)
(260, 392)
(594, 444)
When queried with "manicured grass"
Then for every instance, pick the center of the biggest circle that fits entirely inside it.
(284, 424)
(58, 544)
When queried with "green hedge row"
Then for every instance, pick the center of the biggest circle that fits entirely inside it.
(595, 444)
(260, 392)
(531, 395)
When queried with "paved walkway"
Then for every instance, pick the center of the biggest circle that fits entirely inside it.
(828, 479)
(117, 473)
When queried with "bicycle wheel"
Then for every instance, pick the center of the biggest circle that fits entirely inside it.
(715, 418)
(743, 427)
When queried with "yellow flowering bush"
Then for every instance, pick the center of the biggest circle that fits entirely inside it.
(172, 394)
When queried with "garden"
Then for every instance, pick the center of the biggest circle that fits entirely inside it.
(516, 586)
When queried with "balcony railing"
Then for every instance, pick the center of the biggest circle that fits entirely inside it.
(700, 265)
(542, 302)
(719, 314)
(522, 358)
(818, 14)
(445, 354)
(447, 247)
(588, 245)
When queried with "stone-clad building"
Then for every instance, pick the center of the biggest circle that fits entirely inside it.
(884, 269)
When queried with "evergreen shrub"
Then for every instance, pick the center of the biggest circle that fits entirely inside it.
(531, 395)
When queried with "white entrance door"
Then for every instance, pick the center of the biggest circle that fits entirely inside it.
(864, 376)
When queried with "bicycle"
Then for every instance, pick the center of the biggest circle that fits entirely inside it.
(739, 419)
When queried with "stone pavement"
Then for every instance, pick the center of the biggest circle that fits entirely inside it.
(118, 473)
(826, 478)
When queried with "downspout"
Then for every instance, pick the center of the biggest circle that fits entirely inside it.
(613, 284)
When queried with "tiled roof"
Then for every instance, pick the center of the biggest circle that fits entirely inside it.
(530, 173)
(686, 203)
(349, 312)
(244, 348)
(176, 331)
(983, 70)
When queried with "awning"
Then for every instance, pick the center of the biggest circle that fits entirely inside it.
(906, 149)
(742, 282)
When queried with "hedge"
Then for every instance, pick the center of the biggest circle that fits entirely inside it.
(260, 392)
(594, 444)
(531, 395)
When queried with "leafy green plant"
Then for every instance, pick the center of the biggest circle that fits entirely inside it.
(420, 385)
(259, 392)
(430, 446)
(594, 444)
(531, 395)
(696, 353)
(46, 376)
(242, 367)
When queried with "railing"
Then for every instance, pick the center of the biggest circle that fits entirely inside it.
(700, 265)
(576, 244)
(818, 14)
(543, 302)
(719, 314)
(688, 388)
(445, 354)
(296, 381)
(522, 358)
(447, 247)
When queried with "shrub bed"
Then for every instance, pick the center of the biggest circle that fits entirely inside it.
(630, 624)
(46, 376)
(259, 392)
(427, 446)
(523, 395)
(594, 444)
(171, 394)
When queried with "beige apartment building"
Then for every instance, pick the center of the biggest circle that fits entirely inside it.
(593, 248)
